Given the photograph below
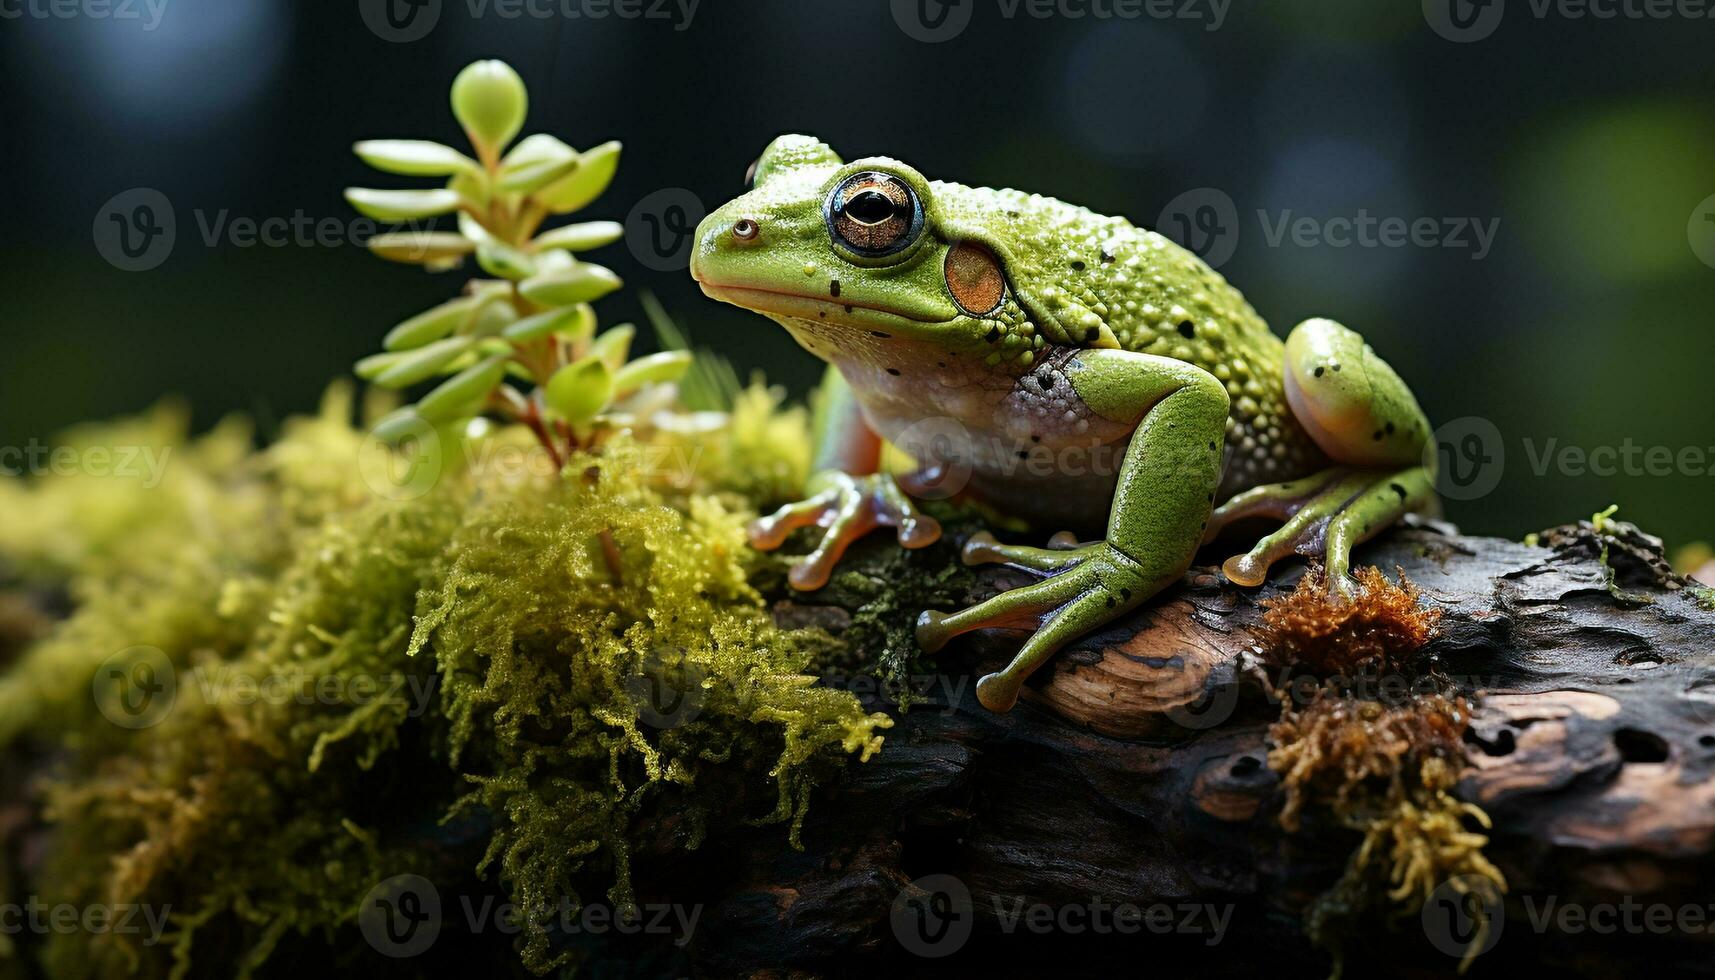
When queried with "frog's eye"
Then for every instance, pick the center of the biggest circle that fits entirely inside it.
(874, 214)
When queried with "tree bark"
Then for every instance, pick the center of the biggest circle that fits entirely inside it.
(1134, 773)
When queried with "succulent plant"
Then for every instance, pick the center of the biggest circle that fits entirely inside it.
(530, 319)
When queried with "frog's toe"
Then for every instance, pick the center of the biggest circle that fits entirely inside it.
(996, 693)
(1066, 541)
(982, 548)
(769, 533)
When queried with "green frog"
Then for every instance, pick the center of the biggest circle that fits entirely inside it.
(1065, 368)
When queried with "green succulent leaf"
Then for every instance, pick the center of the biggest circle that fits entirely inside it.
(538, 161)
(402, 205)
(491, 318)
(575, 322)
(668, 365)
(538, 147)
(580, 284)
(580, 390)
(581, 237)
(414, 158)
(421, 247)
(369, 368)
(490, 101)
(500, 259)
(430, 325)
(399, 425)
(424, 363)
(614, 346)
(459, 394)
(533, 177)
(596, 168)
(472, 188)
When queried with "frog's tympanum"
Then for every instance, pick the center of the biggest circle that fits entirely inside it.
(1064, 368)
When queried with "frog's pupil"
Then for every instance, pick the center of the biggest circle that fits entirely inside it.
(871, 207)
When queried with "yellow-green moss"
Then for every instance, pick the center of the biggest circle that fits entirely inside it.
(483, 645)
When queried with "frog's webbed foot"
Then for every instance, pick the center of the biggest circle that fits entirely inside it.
(1326, 515)
(1086, 587)
(846, 507)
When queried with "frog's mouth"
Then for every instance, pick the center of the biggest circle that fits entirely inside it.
(823, 309)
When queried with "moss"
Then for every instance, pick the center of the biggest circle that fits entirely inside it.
(599, 650)
(352, 669)
(1384, 769)
(1314, 628)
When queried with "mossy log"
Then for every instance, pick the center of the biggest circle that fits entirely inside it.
(1134, 773)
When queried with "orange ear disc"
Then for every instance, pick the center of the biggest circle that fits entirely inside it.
(974, 278)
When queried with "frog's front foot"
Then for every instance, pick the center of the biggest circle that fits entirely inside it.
(1086, 586)
(846, 508)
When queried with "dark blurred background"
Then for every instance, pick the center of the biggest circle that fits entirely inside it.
(1585, 323)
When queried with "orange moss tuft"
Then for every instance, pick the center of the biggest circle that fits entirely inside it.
(1381, 626)
(1338, 750)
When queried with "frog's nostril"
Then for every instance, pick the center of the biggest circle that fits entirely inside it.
(744, 229)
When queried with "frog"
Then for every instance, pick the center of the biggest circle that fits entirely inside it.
(1060, 367)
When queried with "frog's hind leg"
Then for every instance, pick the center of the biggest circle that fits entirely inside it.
(1365, 419)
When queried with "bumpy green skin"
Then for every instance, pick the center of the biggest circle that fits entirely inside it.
(1119, 384)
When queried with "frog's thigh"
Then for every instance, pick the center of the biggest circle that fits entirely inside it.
(1366, 420)
(1350, 401)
